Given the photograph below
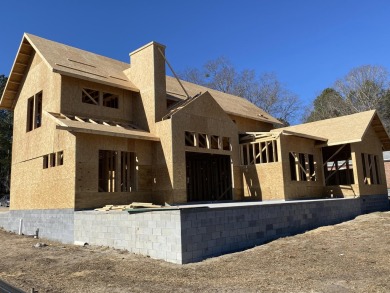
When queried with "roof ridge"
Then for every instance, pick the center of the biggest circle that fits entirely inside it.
(73, 47)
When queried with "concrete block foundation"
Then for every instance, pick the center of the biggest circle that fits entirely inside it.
(192, 233)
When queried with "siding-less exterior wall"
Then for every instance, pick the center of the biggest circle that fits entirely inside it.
(301, 189)
(247, 125)
(71, 102)
(33, 187)
(205, 116)
(87, 170)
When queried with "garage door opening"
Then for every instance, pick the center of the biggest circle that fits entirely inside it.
(209, 177)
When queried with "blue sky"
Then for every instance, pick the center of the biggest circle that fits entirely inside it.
(308, 44)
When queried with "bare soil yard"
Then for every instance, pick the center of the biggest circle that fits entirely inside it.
(350, 257)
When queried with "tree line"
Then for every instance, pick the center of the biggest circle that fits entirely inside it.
(6, 123)
(363, 88)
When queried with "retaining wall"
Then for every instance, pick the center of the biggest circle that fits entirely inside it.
(190, 234)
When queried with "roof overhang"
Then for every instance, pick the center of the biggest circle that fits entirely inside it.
(16, 77)
(99, 127)
(299, 134)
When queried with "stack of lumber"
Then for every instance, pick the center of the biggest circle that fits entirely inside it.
(134, 205)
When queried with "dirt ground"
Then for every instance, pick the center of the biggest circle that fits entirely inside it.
(350, 257)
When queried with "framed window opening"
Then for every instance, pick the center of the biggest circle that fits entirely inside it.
(117, 171)
(99, 98)
(34, 112)
(302, 167)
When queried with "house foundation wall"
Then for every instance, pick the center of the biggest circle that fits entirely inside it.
(192, 234)
(55, 224)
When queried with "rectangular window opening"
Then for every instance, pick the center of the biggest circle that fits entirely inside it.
(312, 169)
(189, 138)
(202, 140)
(52, 160)
(226, 143)
(45, 161)
(38, 110)
(128, 171)
(214, 142)
(293, 170)
(60, 158)
(378, 181)
(302, 167)
(110, 100)
(338, 168)
(90, 96)
(107, 170)
(30, 114)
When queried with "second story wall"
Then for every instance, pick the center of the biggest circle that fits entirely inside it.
(93, 100)
(39, 92)
(249, 125)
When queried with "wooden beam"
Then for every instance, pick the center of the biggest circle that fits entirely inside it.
(335, 153)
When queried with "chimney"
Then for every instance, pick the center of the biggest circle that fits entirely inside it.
(147, 72)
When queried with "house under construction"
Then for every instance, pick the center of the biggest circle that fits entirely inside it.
(91, 131)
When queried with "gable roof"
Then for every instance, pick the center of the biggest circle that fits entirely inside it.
(344, 129)
(70, 61)
(229, 103)
(64, 60)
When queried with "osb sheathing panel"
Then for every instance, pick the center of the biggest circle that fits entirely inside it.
(202, 115)
(33, 187)
(263, 181)
(370, 145)
(300, 189)
(387, 171)
(71, 102)
(248, 125)
(163, 161)
(147, 72)
(87, 170)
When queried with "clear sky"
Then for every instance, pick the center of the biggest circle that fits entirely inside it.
(307, 43)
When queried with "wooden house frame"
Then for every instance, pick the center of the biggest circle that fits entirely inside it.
(91, 131)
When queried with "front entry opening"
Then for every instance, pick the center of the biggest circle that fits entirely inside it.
(209, 177)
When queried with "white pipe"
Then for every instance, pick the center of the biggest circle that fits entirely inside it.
(20, 226)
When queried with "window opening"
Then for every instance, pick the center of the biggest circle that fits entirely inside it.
(189, 138)
(338, 168)
(312, 169)
(378, 181)
(30, 114)
(226, 143)
(110, 100)
(52, 160)
(60, 158)
(89, 96)
(293, 170)
(45, 161)
(302, 167)
(38, 110)
(128, 169)
(370, 169)
(202, 140)
(214, 142)
(107, 170)
(259, 152)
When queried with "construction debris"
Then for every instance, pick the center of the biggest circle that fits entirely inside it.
(134, 205)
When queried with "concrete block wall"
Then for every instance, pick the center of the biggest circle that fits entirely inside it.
(211, 232)
(156, 234)
(191, 234)
(52, 224)
(374, 203)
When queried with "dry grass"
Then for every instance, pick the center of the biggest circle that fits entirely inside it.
(350, 257)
